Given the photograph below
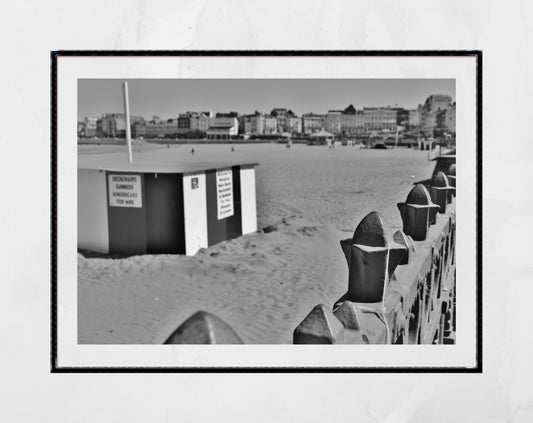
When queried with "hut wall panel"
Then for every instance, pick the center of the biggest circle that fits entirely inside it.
(248, 200)
(195, 211)
(229, 227)
(234, 223)
(92, 211)
(127, 225)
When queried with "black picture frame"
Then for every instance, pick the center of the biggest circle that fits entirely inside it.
(54, 368)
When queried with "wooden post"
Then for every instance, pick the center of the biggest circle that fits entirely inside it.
(368, 255)
(450, 173)
(350, 316)
(418, 213)
(204, 328)
(402, 256)
(320, 326)
(441, 328)
(441, 191)
(127, 119)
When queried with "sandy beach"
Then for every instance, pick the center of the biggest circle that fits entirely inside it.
(261, 284)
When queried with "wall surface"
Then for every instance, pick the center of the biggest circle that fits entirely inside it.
(248, 200)
(127, 225)
(92, 211)
(221, 229)
(194, 197)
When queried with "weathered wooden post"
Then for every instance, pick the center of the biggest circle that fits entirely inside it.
(450, 173)
(204, 328)
(369, 255)
(446, 310)
(441, 328)
(320, 326)
(350, 316)
(401, 256)
(441, 191)
(418, 213)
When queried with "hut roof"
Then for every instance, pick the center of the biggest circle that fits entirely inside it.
(118, 162)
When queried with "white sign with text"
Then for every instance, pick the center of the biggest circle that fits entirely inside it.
(224, 194)
(125, 191)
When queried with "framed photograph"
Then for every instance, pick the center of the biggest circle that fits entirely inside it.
(248, 211)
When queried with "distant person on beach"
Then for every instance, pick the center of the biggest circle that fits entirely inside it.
(232, 149)
(192, 151)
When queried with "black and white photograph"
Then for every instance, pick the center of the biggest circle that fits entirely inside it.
(267, 211)
(220, 212)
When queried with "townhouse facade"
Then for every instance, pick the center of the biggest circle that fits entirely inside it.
(312, 122)
(114, 124)
(379, 119)
(432, 114)
(333, 121)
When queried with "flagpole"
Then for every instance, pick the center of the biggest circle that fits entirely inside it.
(128, 128)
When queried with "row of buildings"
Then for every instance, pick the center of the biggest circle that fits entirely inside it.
(434, 118)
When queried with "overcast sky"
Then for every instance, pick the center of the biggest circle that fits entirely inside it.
(167, 98)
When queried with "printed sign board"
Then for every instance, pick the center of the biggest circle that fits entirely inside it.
(224, 194)
(194, 183)
(124, 190)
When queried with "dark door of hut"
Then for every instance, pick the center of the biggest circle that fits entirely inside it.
(165, 226)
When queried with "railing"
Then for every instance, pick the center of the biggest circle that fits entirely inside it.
(401, 286)
(439, 151)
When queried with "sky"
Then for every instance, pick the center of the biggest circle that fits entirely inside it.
(166, 98)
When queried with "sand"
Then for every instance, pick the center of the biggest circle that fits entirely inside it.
(261, 284)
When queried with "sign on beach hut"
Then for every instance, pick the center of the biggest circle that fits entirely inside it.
(142, 208)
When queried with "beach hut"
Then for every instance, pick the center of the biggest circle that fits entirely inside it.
(164, 208)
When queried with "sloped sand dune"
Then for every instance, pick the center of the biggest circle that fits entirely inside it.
(261, 284)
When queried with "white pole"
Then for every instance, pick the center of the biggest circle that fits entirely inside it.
(128, 128)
